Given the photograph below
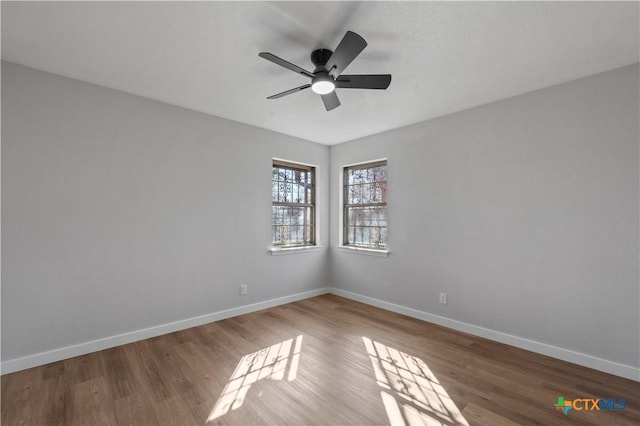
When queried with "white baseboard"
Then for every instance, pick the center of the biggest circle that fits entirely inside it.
(626, 371)
(589, 361)
(42, 358)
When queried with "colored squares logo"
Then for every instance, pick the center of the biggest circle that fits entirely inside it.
(563, 405)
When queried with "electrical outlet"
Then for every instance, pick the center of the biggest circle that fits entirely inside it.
(443, 298)
(243, 289)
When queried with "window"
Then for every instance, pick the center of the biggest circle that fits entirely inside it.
(365, 206)
(293, 205)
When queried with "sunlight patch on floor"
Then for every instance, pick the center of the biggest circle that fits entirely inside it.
(411, 393)
(267, 363)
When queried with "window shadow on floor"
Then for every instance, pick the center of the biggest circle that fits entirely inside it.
(410, 392)
(271, 363)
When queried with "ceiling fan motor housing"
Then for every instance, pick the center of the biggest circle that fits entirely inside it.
(319, 58)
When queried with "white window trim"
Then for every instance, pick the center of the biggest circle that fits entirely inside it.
(362, 250)
(277, 251)
(351, 249)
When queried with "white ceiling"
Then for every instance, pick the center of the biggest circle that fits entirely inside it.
(444, 56)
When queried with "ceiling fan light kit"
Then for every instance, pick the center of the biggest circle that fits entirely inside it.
(328, 76)
(323, 83)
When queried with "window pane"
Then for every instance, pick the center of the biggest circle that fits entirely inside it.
(382, 189)
(383, 237)
(274, 184)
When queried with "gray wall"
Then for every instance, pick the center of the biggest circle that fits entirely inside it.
(120, 213)
(524, 211)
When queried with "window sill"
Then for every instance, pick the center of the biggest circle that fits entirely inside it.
(365, 251)
(276, 251)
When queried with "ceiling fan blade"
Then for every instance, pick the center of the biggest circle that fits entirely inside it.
(288, 65)
(330, 101)
(374, 81)
(290, 91)
(350, 46)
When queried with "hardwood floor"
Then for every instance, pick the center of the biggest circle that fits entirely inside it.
(325, 360)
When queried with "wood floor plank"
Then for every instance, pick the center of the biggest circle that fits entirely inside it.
(136, 409)
(92, 404)
(324, 360)
(56, 400)
(481, 416)
(119, 377)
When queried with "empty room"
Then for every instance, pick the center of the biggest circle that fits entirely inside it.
(320, 213)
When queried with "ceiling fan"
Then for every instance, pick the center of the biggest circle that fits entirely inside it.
(328, 76)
